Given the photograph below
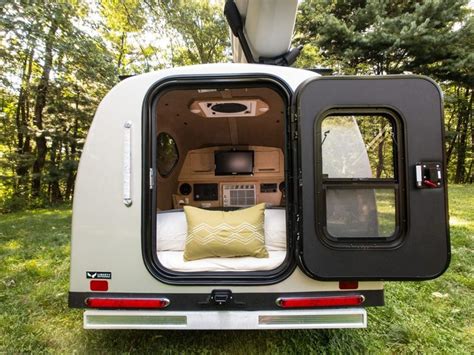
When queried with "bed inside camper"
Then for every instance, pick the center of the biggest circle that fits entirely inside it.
(222, 150)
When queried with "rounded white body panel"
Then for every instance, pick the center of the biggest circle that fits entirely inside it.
(106, 234)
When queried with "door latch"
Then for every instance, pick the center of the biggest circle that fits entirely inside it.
(428, 175)
(221, 298)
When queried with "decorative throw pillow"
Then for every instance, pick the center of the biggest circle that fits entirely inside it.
(225, 234)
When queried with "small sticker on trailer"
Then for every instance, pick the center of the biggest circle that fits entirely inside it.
(99, 275)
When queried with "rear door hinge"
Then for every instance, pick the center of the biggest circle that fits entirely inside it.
(299, 249)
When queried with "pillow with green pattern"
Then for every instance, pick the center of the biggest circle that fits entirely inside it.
(225, 234)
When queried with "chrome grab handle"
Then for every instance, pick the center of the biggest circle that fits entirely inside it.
(127, 164)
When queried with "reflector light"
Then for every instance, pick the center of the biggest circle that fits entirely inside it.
(348, 285)
(99, 285)
(328, 301)
(136, 303)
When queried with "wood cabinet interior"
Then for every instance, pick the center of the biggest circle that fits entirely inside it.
(198, 168)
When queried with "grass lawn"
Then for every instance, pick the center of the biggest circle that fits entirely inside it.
(424, 317)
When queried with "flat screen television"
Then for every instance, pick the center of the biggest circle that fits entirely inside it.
(234, 162)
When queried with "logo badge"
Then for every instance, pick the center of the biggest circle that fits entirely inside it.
(104, 275)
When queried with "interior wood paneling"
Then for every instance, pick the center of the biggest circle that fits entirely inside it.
(267, 170)
(192, 131)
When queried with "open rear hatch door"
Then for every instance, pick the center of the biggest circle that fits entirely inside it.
(371, 178)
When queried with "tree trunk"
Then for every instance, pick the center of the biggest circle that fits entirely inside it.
(71, 176)
(121, 52)
(452, 144)
(23, 147)
(41, 96)
(54, 175)
(380, 156)
(471, 121)
(464, 117)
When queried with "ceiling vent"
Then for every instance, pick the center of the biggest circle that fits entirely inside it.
(229, 108)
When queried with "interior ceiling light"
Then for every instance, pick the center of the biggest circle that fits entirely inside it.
(229, 108)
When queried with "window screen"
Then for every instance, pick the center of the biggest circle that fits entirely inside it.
(360, 213)
(359, 181)
(167, 154)
(357, 146)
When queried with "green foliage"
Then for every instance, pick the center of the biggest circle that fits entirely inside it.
(419, 317)
(123, 15)
(54, 74)
(377, 36)
(459, 126)
(203, 32)
(125, 23)
(429, 37)
(57, 61)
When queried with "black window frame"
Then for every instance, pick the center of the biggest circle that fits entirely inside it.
(149, 129)
(397, 183)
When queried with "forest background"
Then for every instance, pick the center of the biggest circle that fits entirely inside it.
(59, 58)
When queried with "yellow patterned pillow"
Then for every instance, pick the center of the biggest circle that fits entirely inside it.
(225, 234)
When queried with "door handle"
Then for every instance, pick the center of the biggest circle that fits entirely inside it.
(127, 164)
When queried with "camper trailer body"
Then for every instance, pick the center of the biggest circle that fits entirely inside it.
(326, 278)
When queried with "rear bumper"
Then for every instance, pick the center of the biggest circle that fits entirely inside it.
(263, 301)
(288, 319)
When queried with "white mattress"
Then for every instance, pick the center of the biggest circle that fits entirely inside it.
(171, 238)
(174, 260)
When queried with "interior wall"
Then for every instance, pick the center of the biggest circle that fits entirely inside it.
(191, 131)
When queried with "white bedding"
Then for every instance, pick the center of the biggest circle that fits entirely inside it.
(171, 230)
(171, 238)
(173, 260)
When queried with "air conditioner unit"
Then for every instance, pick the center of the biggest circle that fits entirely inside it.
(241, 195)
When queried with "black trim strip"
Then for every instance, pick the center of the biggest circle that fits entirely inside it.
(241, 301)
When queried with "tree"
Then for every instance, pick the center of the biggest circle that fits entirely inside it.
(49, 65)
(125, 21)
(386, 37)
(430, 37)
(57, 61)
(201, 30)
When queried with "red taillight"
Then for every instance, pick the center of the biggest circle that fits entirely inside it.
(140, 303)
(99, 285)
(328, 301)
(348, 285)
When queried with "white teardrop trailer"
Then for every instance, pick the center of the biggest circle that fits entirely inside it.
(351, 170)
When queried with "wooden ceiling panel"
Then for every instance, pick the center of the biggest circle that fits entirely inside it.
(192, 131)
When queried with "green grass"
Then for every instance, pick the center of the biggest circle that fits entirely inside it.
(385, 211)
(426, 317)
